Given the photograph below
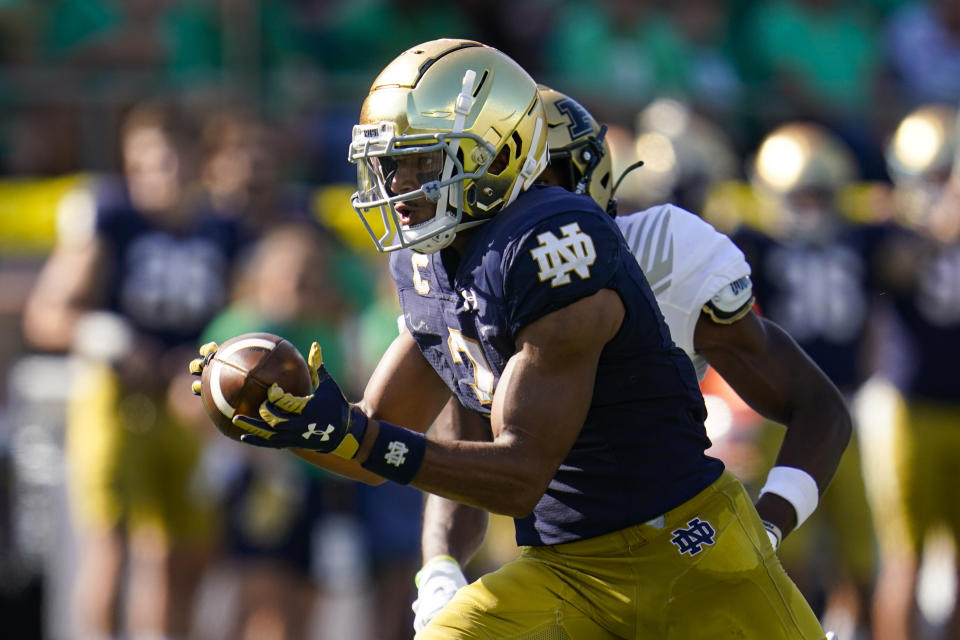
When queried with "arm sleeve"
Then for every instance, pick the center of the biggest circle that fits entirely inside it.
(687, 262)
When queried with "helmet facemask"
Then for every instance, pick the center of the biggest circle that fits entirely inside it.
(432, 171)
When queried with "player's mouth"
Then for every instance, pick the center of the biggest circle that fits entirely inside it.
(413, 213)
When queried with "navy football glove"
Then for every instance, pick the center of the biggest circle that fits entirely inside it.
(323, 421)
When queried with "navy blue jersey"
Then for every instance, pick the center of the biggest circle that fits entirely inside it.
(928, 307)
(821, 293)
(641, 449)
(168, 284)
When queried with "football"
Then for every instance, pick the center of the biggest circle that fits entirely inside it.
(236, 378)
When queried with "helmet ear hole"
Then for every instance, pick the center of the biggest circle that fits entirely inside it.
(472, 195)
(605, 180)
(500, 162)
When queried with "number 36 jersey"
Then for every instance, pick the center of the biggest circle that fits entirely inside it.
(640, 451)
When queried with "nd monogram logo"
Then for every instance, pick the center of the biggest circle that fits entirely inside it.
(557, 257)
(691, 540)
(396, 453)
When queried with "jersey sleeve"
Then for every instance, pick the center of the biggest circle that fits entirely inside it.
(689, 265)
(555, 263)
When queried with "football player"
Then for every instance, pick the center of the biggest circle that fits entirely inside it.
(111, 293)
(910, 472)
(702, 285)
(814, 274)
(524, 303)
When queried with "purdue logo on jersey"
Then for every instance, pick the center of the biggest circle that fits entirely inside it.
(557, 257)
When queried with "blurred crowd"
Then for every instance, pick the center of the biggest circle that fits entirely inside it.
(174, 172)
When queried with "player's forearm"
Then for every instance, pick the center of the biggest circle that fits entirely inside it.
(335, 464)
(452, 529)
(817, 435)
(818, 430)
(815, 413)
(780, 382)
(506, 476)
(404, 389)
(50, 325)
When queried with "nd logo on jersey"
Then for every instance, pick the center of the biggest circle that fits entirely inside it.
(557, 257)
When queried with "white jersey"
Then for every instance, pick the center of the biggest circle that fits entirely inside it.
(688, 263)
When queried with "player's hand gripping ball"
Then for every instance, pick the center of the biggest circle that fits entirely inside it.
(321, 421)
(235, 376)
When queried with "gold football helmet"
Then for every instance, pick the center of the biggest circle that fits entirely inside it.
(920, 157)
(801, 167)
(579, 153)
(802, 155)
(924, 145)
(450, 134)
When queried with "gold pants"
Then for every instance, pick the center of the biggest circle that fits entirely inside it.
(708, 573)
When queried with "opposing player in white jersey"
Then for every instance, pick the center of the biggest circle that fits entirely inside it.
(701, 281)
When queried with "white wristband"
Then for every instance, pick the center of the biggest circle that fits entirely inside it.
(797, 487)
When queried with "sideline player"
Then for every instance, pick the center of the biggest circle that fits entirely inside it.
(702, 285)
(524, 301)
(911, 469)
(815, 274)
(111, 294)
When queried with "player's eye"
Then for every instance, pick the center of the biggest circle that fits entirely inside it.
(386, 166)
(429, 163)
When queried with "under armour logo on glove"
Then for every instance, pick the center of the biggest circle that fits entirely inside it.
(312, 431)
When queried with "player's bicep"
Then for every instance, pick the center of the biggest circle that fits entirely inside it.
(760, 361)
(404, 388)
(545, 391)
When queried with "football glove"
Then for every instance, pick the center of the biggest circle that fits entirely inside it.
(197, 364)
(323, 421)
(774, 533)
(437, 582)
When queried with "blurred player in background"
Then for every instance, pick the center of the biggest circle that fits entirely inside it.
(285, 518)
(244, 156)
(701, 282)
(912, 467)
(543, 333)
(128, 288)
(273, 504)
(815, 275)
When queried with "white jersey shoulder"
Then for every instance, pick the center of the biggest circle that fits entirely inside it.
(687, 263)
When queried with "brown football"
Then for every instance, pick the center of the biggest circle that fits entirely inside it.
(236, 378)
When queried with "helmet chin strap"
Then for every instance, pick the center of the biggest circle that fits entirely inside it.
(462, 109)
(435, 241)
(532, 166)
(595, 146)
